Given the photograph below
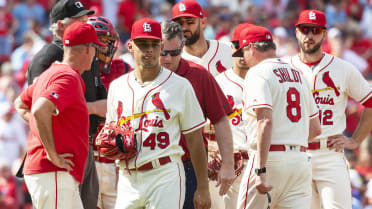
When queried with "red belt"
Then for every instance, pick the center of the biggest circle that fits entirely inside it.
(148, 166)
(281, 147)
(315, 145)
(103, 159)
(244, 155)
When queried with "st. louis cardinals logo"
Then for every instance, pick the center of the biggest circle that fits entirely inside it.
(181, 7)
(156, 101)
(146, 27)
(145, 123)
(78, 4)
(220, 68)
(329, 82)
(312, 16)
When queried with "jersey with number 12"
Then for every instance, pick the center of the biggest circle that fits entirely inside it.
(332, 81)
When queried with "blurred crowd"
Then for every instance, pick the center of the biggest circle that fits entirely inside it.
(24, 29)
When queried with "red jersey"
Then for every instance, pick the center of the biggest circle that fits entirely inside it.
(5, 23)
(63, 86)
(127, 12)
(117, 69)
(209, 94)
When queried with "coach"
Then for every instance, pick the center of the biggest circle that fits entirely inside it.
(58, 147)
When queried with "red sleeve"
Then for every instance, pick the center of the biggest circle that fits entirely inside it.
(368, 103)
(26, 95)
(214, 101)
(59, 91)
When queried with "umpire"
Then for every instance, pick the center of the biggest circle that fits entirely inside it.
(64, 13)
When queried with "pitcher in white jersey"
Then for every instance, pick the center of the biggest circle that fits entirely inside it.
(159, 106)
(214, 55)
(231, 83)
(332, 80)
(284, 114)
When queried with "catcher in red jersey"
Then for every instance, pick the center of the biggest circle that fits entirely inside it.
(158, 106)
(278, 103)
(332, 81)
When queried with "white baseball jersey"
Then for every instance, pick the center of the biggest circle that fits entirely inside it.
(232, 86)
(276, 85)
(158, 111)
(332, 81)
(216, 60)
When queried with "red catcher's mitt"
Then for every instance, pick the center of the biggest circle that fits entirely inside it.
(115, 142)
(214, 166)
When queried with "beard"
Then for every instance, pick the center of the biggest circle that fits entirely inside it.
(313, 50)
(194, 37)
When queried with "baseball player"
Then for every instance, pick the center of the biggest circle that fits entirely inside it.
(109, 70)
(64, 13)
(210, 97)
(278, 100)
(231, 83)
(332, 81)
(213, 55)
(159, 106)
(58, 146)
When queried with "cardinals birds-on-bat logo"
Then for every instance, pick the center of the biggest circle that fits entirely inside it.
(328, 81)
(119, 109)
(159, 104)
(230, 99)
(220, 68)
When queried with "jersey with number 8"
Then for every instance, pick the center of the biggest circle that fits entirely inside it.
(285, 91)
(158, 112)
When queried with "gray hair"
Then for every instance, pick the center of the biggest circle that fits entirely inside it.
(171, 29)
(54, 26)
(263, 46)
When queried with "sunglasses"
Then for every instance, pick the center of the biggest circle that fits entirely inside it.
(306, 30)
(172, 53)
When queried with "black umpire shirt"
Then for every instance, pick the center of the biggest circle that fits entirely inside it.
(94, 88)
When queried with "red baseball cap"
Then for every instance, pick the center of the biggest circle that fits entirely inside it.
(238, 30)
(146, 28)
(313, 17)
(80, 33)
(252, 34)
(187, 8)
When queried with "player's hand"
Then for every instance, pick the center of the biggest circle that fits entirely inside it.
(202, 199)
(262, 185)
(339, 142)
(226, 178)
(62, 160)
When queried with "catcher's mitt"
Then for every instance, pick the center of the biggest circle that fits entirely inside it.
(214, 166)
(115, 142)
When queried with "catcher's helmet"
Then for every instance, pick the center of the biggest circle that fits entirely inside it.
(107, 34)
